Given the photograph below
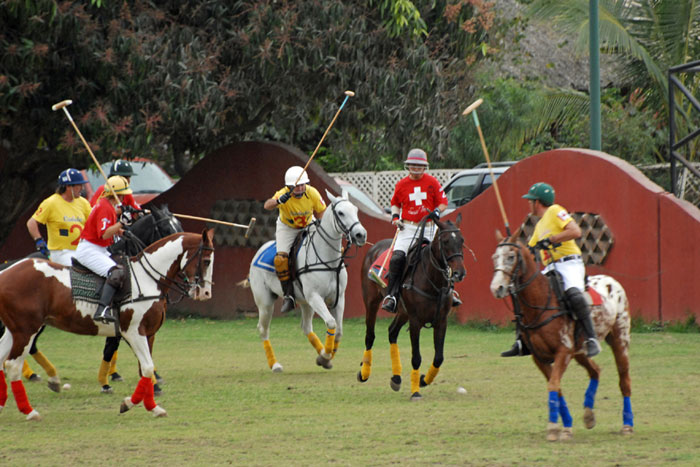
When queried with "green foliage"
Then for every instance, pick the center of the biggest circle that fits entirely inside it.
(689, 325)
(399, 15)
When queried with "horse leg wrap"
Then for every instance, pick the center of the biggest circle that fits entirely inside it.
(627, 416)
(330, 342)
(366, 367)
(315, 341)
(102, 374)
(553, 406)
(566, 418)
(269, 353)
(415, 381)
(45, 364)
(395, 359)
(149, 401)
(432, 373)
(141, 389)
(336, 344)
(589, 400)
(113, 363)
(21, 397)
(26, 370)
(3, 389)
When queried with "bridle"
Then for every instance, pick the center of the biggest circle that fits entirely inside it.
(339, 224)
(515, 286)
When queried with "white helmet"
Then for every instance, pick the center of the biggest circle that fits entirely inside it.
(295, 173)
(416, 161)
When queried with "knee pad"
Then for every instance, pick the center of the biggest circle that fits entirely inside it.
(115, 276)
(282, 265)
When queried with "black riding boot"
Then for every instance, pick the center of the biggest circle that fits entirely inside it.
(396, 267)
(288, 304)
(519, 348)
(583, 314)
(104, 310)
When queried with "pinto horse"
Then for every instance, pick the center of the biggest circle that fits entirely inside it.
(426, 299)
(34, 292)
(319, 282)
(549, 331)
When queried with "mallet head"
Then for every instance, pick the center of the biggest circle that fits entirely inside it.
(473, 106)
(250, 226)
(349, 93)
(61, 104)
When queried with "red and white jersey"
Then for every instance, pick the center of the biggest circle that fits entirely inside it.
(100, 219)
(417, 198)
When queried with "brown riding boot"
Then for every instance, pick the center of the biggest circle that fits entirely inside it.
(282, 270)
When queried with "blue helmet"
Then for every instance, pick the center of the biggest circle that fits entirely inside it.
(71, 177)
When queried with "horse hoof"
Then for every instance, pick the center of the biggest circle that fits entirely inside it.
(395, 382)
(126, 405)
(626, 430)
(159, 411)
(325, 363)
(416, 397)
(157, 391)
(116, 377)
(553, 430)
(277, 368)
(34, 378)
(588, 418)
(33, 416)
(55, 386)
(567, 433)
(159, 380)
(107, 389)
(359, 377)
(422, 381)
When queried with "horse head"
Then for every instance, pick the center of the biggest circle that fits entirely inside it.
(447, 248)
(197, 264)
(512, 262)
(346, 220)
(166, 222)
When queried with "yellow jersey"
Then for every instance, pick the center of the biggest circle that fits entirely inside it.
(553, 221)
(64, 220)
(299, 212)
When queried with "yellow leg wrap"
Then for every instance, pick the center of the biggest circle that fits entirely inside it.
(113, 363)
(432, 373)
(271, 360)
(26, 370)
(45, 364)
(415, 381)
(395, 359)
(366, 367)
(102, 374)
(336, 344)
(330, 341)
(315, 341)
(154, 380)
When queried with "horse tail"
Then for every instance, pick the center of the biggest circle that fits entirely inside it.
(245, 283)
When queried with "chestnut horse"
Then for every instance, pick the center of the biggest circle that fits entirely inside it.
(34, 292)
(426, 300)
(548, 331)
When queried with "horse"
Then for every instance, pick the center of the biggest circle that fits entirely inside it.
(320, 279)
(426, 300)
(34, 292)
(549, 331)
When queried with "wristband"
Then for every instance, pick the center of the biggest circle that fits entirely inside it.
(394, 217)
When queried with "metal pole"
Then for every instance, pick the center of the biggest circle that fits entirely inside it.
(594, 85)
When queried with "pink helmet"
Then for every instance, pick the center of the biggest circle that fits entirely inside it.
(417, 156)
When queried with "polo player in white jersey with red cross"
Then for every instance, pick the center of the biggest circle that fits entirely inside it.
(415, 196)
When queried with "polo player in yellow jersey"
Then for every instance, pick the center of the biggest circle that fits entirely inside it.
(298, 204)
(554, 236)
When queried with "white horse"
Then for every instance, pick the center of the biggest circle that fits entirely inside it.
(320, 279)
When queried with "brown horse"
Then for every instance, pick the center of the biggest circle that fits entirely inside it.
(549, 331)
(34, 292)
(426, 299)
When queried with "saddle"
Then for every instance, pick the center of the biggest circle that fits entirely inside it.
(592, 297)
(87, 286)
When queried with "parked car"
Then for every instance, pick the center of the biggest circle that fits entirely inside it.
(360, 198)
(149, 179)
(466, 185)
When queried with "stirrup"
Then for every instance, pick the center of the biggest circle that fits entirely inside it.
(515, 351)
(389, 304)
(592, 347)
(105, 316)
(456, 301)
(288, 304)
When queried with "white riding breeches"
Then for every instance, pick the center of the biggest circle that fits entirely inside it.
(410, 232)
(573, 272)
(94, 257)
(62, 256)
(284, 236)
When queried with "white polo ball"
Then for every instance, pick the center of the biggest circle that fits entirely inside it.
(66, 386)
(461, 390)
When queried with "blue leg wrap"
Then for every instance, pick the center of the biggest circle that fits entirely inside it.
(553, 406)
(627, 417)
(590, 393)
(564, 412)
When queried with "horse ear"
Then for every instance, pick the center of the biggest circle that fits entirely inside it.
(330, 196)
(499, 236)
(208, 236)
(458, 220)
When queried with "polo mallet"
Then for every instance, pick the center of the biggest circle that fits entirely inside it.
(348, 94)
(377, 276)
(467, 111)
(231, 224)
(63, 105)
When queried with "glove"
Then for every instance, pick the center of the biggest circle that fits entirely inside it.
(396, 221)
(126, 218)
(434, 214)
(284, 198)
(41, 246)
(544, 244)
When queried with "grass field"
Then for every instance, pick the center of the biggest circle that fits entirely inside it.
(226, 407)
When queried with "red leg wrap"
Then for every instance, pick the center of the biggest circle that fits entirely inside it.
(3, 389)
(140, 390)
(148, 401)
(21, 397)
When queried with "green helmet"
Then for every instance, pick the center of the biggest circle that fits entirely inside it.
(121, 167)
(542, 192)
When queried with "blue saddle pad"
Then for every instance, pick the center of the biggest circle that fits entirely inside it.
(266, 259)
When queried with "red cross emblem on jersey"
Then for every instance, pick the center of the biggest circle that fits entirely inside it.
(418, 196)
